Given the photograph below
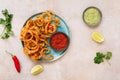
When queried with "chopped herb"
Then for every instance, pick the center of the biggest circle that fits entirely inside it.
(7, 32)
(100, 57)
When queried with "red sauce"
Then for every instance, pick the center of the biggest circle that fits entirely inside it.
(59, 41)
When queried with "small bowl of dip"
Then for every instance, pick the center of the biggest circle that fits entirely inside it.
(92, 16)
(59, 41)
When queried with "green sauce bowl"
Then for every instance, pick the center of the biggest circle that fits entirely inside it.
(92, 16)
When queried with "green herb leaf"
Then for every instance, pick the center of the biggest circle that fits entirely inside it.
(5, 36)
(10, 33)
(99, 58)
(9, 17)
(2, 21)
(108, 55)
(8, 27)
(7, 22)
(5, 12)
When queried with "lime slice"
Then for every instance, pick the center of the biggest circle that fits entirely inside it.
(97, 37)
(36, 69)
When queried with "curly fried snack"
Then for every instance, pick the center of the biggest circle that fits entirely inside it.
(35, 33)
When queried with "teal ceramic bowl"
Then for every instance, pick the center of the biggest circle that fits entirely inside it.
(62, 28)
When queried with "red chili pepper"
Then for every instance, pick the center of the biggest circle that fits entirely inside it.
(16, 62)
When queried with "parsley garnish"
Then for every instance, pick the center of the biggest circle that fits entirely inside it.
(100, 57)
(7, 32)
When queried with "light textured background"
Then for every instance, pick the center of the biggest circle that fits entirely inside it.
(77, 63)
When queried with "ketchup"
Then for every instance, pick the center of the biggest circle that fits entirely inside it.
(59, 41)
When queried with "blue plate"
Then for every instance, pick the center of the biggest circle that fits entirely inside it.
(62, 28)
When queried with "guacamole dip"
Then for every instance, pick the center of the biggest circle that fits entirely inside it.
(92, 16)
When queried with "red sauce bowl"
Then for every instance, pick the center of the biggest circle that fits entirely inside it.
(59, 41)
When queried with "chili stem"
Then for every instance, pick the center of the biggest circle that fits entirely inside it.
(9, 53)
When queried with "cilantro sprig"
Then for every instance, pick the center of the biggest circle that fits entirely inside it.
(7, 32)
(100, 57)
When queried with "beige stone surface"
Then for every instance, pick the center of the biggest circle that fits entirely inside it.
(77, 63)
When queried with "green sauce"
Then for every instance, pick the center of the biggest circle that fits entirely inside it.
(92, 16)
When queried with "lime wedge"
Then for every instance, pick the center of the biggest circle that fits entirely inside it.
(36, 69)
(97, 37)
